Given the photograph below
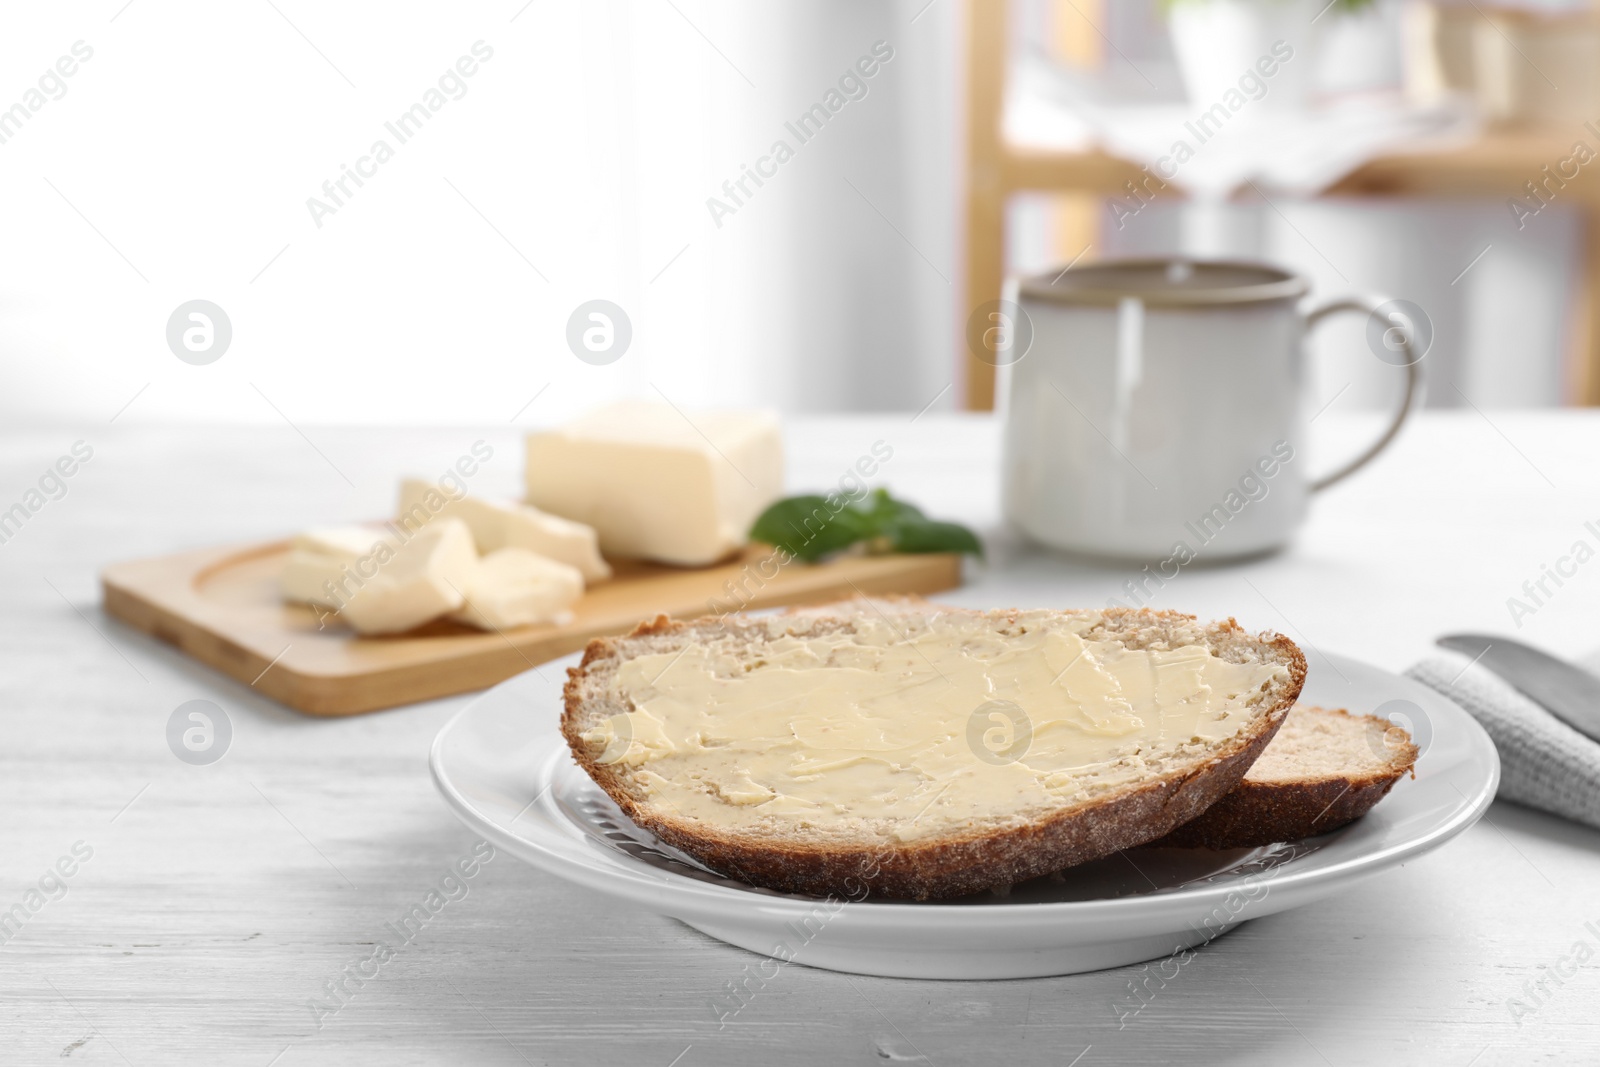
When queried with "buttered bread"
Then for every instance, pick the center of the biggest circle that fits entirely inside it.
(925, 752)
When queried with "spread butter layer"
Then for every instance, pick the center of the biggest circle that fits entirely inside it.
(923, 728)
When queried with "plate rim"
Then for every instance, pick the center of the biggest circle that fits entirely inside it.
(677, 895)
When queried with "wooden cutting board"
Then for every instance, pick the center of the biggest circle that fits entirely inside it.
(221, 606)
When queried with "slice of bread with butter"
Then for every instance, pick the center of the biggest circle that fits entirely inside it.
(923, 751)
(1324, 769)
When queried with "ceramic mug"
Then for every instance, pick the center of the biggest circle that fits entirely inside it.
(1156, 408)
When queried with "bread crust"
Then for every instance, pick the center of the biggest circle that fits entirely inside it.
(1259, 813)
(955, 863)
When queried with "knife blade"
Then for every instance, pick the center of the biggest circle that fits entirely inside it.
(1569, 693)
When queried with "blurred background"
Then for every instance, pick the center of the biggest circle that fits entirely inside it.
(596, 151)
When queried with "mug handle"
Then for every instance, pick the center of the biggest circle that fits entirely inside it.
(1368, 306)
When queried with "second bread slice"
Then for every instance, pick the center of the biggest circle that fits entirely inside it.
(1324, 769)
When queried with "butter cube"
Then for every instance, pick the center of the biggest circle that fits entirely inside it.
(307, 576)
(553, 537)
(502, 524)
(657, 484)
(321, 556)
(515, 587)
(422, 580)
(346, 542)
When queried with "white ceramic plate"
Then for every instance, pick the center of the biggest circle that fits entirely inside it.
(504, 768)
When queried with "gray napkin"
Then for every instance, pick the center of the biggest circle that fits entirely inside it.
(1544, 763)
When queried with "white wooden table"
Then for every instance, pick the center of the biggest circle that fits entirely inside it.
(219, 900)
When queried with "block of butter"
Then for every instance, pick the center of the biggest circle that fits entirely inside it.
(515, 587)
(319, 559)
(499, 524)
(424, 578)
(657, 484)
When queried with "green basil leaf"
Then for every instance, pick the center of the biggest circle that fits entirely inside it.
(931, 535)
(809, 528)
(883, 511)
(806, 527)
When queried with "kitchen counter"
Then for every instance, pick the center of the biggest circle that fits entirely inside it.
(217, 901)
